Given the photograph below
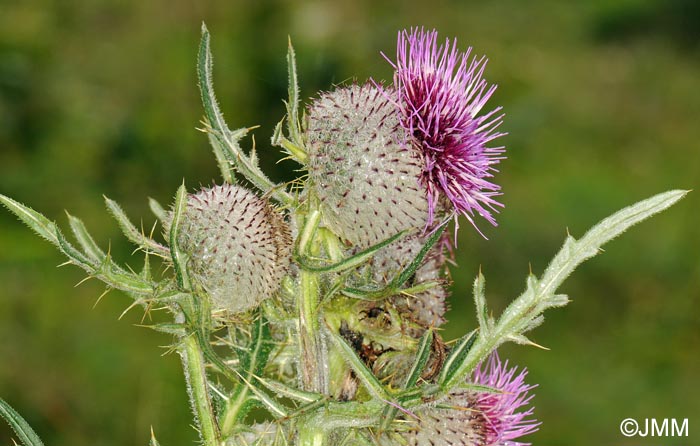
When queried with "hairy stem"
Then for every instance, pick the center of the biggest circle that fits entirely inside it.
(314, 357)
(193, 365)
(312, 349)
(311, 436)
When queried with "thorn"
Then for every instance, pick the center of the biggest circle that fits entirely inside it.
(147, 312)
(136, 302)
(539, 346)
(104, 293)
(153, 229)
(82, 281)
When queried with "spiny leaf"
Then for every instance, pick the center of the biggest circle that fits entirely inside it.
(289, 392)
(410, 270)
(485, 322)
(525, 312)
(252, 362)
(228, 147)
(457, 356)
(294, 146)
(422, 356)
(311, 222)
(293, 90)
(85, 239)
(37, 222)
(352, 261)
(365, 375)
(158, 210)
(73, 254)
(132, 233)
(576, 252)
(25, 433)
(178, 257)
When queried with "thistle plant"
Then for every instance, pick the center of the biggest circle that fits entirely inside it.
(319, 302)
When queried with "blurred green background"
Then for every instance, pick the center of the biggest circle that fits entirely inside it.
(603, 109)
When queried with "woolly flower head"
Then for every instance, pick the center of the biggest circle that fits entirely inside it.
(238, 246)
(440, 94)
(475, 418)
(360, 168)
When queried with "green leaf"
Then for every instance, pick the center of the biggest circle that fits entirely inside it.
(422, 356)
(228, 148)
(37, 222)
(289, 392)
(116, 277)
(485, 322)
(132, 233)
(456, 358)
(252, 362)
(525, 312)
(24, 432)
(178, 257)
(77, 257)
(576, 252)
(351, 261)
(85, 240)
(293, 102)
(410, 270)
(394, 287)
(311, 222)
(375, 388)
(175, 329)
(294, 146)
(158, 210)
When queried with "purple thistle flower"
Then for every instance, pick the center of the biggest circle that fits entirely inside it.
(471, 417)
(440, 94)
(499, 410)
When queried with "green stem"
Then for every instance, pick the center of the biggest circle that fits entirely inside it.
(195, 373)
(314, 357)
(312, 349)
(311, 436)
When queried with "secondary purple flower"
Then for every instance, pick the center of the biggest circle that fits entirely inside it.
(440, 94)
(502, 420)
(469, 417)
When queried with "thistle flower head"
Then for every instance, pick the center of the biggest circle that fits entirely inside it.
(360, 167)
(499, 409)
(440, 94)
(474, 418)
(238, 246)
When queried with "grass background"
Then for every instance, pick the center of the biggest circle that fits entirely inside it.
(603, 104)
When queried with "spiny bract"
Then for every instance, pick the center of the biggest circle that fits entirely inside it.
(426, 308)
(480, 418)
(238, 245)
(361, 168)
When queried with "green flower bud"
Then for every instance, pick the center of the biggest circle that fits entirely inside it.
(239, 246)
(361, 168)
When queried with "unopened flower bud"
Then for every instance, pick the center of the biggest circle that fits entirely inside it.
(238, 246)
(361, 168)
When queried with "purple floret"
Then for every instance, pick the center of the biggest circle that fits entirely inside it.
(500, 410)
(440, 94)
